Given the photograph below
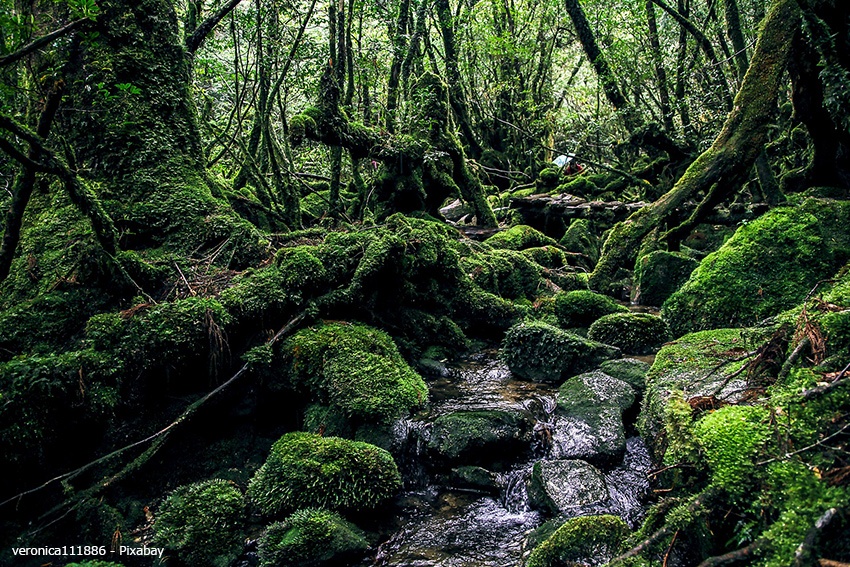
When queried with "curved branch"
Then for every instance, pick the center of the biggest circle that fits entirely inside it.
(42, 41)
(194, 41)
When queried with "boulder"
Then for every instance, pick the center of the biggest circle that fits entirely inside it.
(587, 540)
(479, 436)
(635, 333)
(630, 370)
(580, 308)
(659, 274)
(543, 353)
(566, 486)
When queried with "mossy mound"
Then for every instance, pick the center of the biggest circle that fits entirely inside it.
(353, 368)
(629, 370)
(587, 540)
(634, 333)
(201, 523)
(550, 257)
(543, 353)
(766, 267)
(520, 237)
(659, 274)
(507, 273)
(581, 238)
(305, 470)
(582, 307)
(310, 538)
(479, 437)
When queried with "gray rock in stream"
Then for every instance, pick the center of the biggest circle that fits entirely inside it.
(566, 486)
(479, 437)
(589, 418)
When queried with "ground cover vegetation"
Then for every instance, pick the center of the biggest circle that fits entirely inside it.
(239, 235)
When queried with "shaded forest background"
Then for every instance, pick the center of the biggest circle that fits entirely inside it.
(186, 183)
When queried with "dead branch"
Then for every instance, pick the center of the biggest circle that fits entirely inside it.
(803, 554)
(840, 381)
(743, 554)
(804, 449)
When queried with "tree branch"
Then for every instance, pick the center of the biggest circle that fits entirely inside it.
(194, 41)
(42, 41)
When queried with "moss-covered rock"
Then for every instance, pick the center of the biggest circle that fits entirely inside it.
(543, 353)
(506, 273)
(587, 540)
(767, 266)
(353, 368)
(659, 274)
(582, 307)
(589, 417)
(520, 237)
(201, 523)
(629, 370)
(634, 333)
(566, 486)
(310, 538)
(581, 238)
(474, 478)
(479, 437)
(687, 366)
(305, 470)
(547, 256)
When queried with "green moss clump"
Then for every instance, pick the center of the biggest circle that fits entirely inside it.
(549, 177)
(479, 436)
(543, 353)
(767, 266)
(310, 538)
(520, 237)
(353, 368)
(629, 370)
(547, 256)
(635, 333)
(659, 274)
(586, 540)
(305, 470)
(731, 437)
(506, 273)
(582, 307)
(202, 523)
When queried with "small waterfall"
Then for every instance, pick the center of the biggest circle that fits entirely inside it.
(410, 441)
(515, 496)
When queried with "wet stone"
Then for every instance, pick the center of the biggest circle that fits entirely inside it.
(567, 486)
(480, 437)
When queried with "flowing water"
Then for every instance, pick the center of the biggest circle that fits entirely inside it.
(441, 525)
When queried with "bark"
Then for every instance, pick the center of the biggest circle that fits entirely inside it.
(660, 71)
(194, 41)
(731, 155)
(399, 55)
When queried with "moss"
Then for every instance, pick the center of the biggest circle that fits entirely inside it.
(353, 368)
(731, 438)
(519, 237)
(540, 352)
(629, 370)
(767, 266)
(506, 273)
(635, 333)
(585, 540)
(202, 523)
(310, 538)
(549, 177)
(581, 308)
(479, 436)
(581, 186)
(547, 256)
(659, 274)
(306, 470)
(581, 238)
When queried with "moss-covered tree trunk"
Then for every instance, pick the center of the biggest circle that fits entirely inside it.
(731, 155)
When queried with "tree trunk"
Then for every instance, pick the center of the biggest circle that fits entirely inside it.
(660, 71)
(731, 155)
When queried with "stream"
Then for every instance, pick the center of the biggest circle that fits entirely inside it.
(443, 523)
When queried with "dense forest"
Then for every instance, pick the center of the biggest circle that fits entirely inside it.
(425, 282)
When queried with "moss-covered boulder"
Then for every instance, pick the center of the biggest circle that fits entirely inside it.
(766, 267)
(659, 274)
(201, 523)
(566, 486)
(352, 368)
(479, 437)
(520, 237)
(634, 333)
(310, 538)
(687, 367)
(305, 470)
(581, 238)
(543, 353)
(472, 477)
(507, 273)
(587, 540)
(580, 308)
(589, 417)
(630, 370)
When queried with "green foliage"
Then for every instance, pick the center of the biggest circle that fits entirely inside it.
(636, 333)
(540, 352)
(355, 369)
(584, 540)
(582, 307)
(519, 237)
(310, 538)
(305, 470)
(202, 523)
(767, 266)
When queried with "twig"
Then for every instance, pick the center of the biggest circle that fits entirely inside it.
(669, 549)
(820, 390)
(804, 449)
(792, 358)
(742, 554)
